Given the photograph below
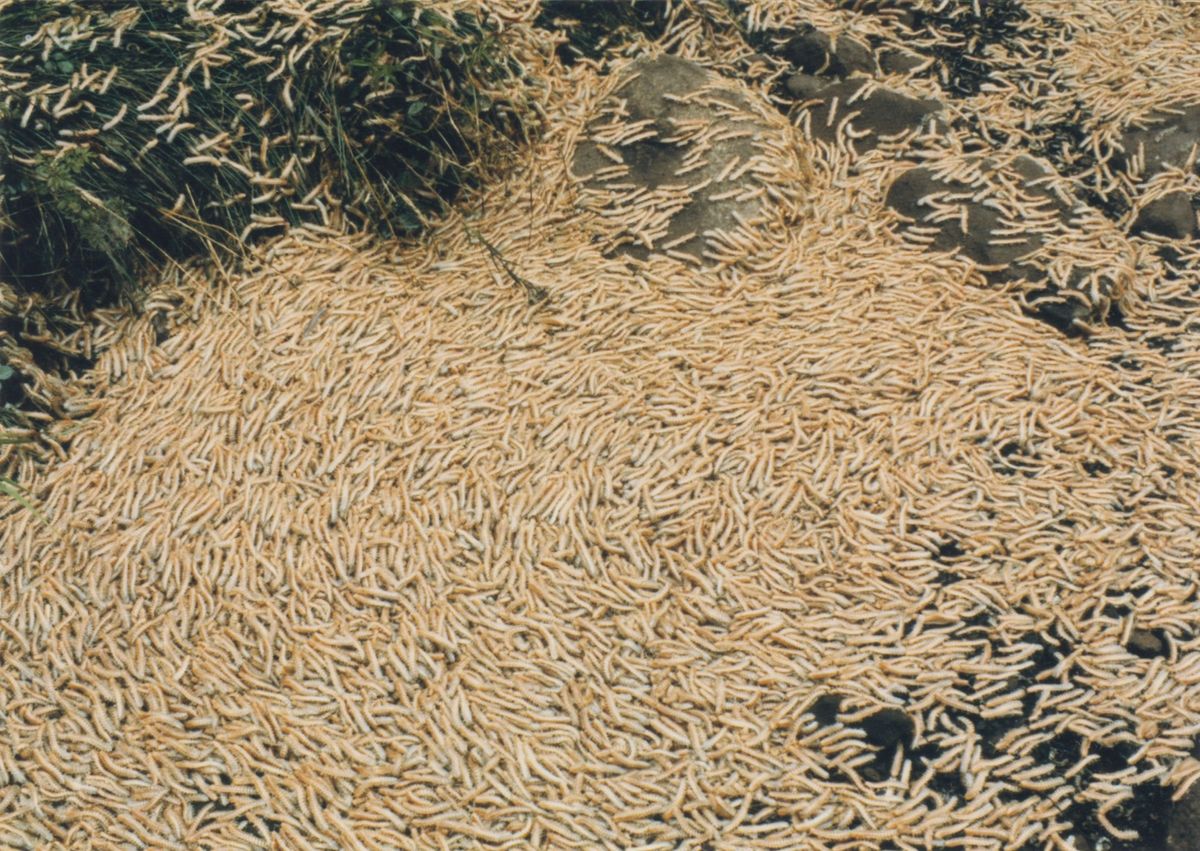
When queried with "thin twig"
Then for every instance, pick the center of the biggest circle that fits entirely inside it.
(533, 291)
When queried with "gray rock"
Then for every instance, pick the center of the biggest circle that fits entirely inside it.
(805, 86)
(882, 113)
(588, 160)
(982, 234)
(810, 50)
(852, 55)
(650, 93)
(1172, 216)
(1038, 176)
(895, 60)
(910, 194)
(813, 52)
(1169, 140)
(1166, 143)
(1034, 171)
(647, 96)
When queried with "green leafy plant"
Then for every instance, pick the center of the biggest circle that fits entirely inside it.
(9, 487)
(134, 131)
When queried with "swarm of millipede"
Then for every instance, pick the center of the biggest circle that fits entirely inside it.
(831, 548)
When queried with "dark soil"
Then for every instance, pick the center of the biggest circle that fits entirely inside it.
(593, 28)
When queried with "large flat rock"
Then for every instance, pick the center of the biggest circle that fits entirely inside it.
(677, 156)
(1018, 221)
(1167, 139)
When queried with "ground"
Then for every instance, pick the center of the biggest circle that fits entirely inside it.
(827, 542)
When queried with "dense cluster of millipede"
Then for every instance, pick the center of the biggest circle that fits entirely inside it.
(820, 544)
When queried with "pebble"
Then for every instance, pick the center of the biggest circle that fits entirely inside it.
(1172, 216)
(1146, 644)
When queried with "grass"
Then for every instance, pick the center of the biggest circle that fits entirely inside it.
(134, 132)
(10, 420)
(146, 132)
(13, 491)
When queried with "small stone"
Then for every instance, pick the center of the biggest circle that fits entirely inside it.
(851, 55)
(895, 60)
(810, 50)
(1172, 216)
(1183, 823)
(1145, 644)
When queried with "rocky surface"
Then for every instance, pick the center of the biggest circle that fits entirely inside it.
(1045, 191)
(833, 78)
(976, 227)
(1168, 140)
(1005, 217)
(1093, 439)
(679, 138)
(1183, 830)
(866, 112)
(897, 60)
(1172, 215)
(814, 52)
(836, 85)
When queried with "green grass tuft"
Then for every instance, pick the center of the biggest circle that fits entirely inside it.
(130, 132)
(136, 131)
